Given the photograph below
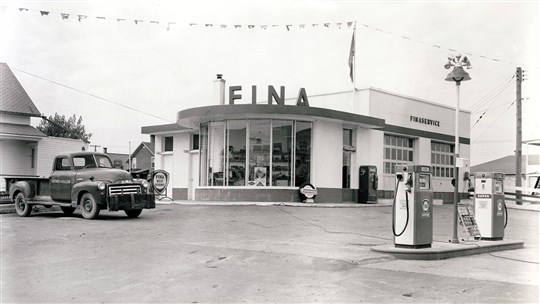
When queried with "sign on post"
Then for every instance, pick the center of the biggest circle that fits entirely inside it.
(160, 180)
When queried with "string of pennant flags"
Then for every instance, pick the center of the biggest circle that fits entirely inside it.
(329, 25)
(288, 27)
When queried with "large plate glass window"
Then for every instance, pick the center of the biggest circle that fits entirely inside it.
(236, 141)
(216, 153)
(281, 152)
(303, 153)
(259, 152)
(255, 152)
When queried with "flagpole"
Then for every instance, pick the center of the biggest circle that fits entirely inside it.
(354, 69)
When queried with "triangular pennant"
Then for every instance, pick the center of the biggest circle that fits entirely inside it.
(120, 19)
(237, 26)
(169, 25)
(275, 25)
(339, 25)
(82, 17)
(155, 22)
(44, 13)
(349, 24)
(192, 24)
(64, 16)
(137, 21)
(208, 25)
(264, 27)
(22, 9)
(288, 27)
(315, 24)
(251, 26)
(327, 25)
(302, 26)
(102, 18)
(223, 26)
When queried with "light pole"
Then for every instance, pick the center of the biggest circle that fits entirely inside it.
(457, 75)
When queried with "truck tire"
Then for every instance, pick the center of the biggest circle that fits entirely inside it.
(68, 210)
(21, 206)
(89, 207)
(133, 212)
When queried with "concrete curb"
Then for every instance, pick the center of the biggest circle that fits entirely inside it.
(442, 251)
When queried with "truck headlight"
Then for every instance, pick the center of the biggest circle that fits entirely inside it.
(101, 185)
(144, 183)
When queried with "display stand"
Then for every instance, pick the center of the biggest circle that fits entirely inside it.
(466, 219)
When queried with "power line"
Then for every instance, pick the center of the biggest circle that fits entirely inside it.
(492, 94)
(92, 95)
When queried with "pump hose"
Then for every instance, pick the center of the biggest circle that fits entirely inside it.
(506, 215)
(394, 212)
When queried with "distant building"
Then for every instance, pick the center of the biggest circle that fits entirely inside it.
(24, 150)
(142, 159)
(507, 165)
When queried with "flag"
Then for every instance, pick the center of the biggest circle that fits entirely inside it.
(351, 59)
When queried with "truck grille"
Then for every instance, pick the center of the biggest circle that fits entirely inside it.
(124, 189)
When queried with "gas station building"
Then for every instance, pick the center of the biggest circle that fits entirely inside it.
(242, 150)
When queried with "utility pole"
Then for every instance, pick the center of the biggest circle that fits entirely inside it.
(519, 80)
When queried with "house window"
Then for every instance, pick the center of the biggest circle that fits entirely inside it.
(168, 146)
(195, 142)
(32, 158)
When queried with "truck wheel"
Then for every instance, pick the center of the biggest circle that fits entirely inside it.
(133, 212)
(89, 207)
(67, 210)
(21, 206)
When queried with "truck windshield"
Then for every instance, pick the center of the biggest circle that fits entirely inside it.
(91, 161)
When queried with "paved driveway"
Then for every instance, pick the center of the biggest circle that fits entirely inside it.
(196, 254)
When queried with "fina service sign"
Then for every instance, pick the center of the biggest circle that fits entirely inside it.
(160, 180)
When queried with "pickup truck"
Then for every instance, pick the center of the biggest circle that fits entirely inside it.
(86, 180)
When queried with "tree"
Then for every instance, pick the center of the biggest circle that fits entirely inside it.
(59, 126)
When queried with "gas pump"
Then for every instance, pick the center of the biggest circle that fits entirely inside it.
(412, 213)
(368, 182)
(489, 206)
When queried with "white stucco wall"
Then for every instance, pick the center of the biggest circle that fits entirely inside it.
(181, 147)
(369, 147)
(327, 154)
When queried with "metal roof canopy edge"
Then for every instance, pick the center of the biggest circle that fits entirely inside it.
(190, 118)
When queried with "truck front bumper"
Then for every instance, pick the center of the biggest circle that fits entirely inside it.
(132, 201)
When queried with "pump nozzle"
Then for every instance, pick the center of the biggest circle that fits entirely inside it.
(409, 183)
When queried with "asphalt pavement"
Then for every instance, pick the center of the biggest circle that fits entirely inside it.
(250, 253)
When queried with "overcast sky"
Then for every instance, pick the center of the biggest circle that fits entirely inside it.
(160, 67)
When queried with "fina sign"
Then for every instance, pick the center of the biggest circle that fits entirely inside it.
(301, 99)
(160, 180)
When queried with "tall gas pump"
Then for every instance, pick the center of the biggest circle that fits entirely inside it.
(412, 216)
(489, 206)
(368, 182)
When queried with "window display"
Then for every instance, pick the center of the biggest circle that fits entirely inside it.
(255, 152)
